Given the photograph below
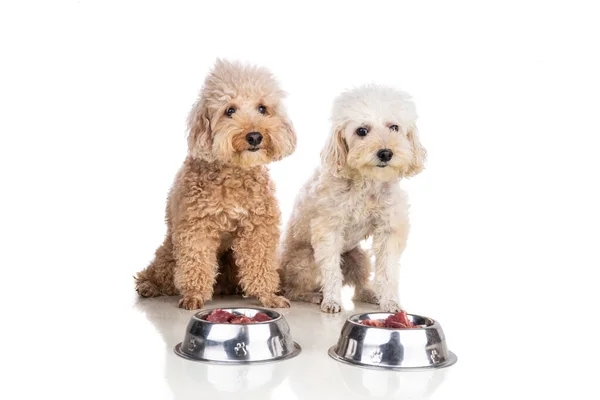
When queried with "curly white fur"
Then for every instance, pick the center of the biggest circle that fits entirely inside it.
(353, 195)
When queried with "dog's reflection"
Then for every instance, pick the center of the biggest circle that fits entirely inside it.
(319, 378)
(393, 384)
(193, 380)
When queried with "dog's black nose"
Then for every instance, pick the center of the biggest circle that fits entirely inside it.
(254, 138)
(385, 155)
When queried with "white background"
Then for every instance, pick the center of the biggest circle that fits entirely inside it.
(504, 246)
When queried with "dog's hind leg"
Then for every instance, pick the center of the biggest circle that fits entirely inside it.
(356, 268)
(298, 276)
(157, 278)
(309, 297)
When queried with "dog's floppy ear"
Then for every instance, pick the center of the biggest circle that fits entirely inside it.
(335, 151)
(199, 132)
(417, 163)
(287, 141)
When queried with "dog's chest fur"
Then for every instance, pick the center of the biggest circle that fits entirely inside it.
(242, 192)
(224, 195)
(364, 206)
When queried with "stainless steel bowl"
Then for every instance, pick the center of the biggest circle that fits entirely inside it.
(402, 349)
(238, 343)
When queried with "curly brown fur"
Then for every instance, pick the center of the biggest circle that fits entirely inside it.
(222, 215)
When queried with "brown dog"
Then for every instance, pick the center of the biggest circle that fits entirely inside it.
(222, 216)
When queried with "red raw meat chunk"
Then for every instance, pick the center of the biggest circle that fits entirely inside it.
(261, 317)
(391, 322)
(378, 323)
(224, 317)
(241, 320)
(399, 320)
(220, 317)
(396, 321)
(404, 318)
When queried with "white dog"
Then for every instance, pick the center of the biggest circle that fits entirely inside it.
(353, 195)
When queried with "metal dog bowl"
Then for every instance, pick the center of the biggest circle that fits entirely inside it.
(392, 349)
(259, 342)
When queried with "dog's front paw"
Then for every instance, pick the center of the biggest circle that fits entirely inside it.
(331, 306)
(275, 302)
(191, 302)
(390, 306)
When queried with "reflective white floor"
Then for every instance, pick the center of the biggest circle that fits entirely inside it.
(116, 345)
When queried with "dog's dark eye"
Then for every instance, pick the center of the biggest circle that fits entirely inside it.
(262, 109)
(230, 111)
(362, 131)
(394, 128)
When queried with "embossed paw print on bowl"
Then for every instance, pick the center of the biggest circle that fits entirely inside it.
(391, 348)
(218, 343)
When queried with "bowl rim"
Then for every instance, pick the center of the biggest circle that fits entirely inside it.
(198, 316)
(434, 324)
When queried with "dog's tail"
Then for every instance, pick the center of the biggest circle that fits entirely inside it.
(157, 278)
